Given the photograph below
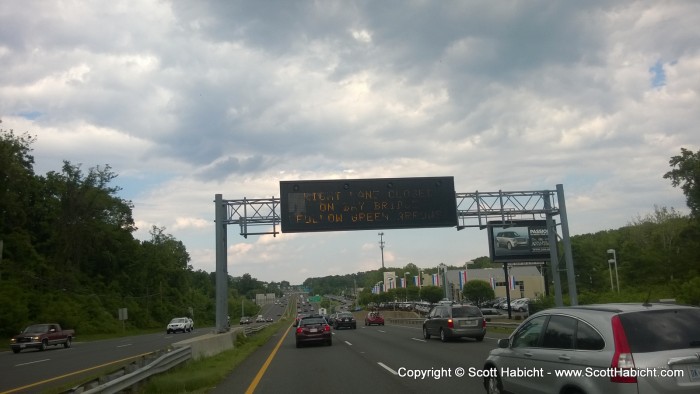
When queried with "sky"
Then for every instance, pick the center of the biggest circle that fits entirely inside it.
(188, 99)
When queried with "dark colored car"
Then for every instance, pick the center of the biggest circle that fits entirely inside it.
(245, 320)
(601, 349)
(313, 329)
(374, 318)
(344, 319)
(455, 321)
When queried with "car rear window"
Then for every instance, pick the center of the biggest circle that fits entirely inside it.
(312, 321)
(345, 315)
(653, 331)
(466, 311)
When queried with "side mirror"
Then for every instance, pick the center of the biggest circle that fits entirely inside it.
(504, 343)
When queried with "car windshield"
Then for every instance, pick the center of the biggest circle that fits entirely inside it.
(344, 314)
(466, 312)
(37, 328)
(177, 321)
(653, 331)
(312, 321)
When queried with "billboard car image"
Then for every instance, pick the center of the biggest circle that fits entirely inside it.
(518, 240)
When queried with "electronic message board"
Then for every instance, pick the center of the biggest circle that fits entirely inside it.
(519, 240)
(365, 204)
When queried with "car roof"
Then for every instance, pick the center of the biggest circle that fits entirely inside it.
(620, 307)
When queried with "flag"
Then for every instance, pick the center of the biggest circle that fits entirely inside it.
(493, 283)
(416, 280)
(512, 282)
(462, 279)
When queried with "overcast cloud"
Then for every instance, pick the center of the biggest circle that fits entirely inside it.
(187, 99)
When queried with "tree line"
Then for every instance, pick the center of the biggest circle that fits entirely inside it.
(658, 256)
(68, 254)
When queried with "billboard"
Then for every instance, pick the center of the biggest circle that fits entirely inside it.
(367, 204)
(518, 240)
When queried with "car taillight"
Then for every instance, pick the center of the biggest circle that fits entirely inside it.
(622, 359)
(299, 330)
(450, 323)
(326, 327)
(483, 323)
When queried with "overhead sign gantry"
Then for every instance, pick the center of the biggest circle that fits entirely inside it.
(394, 203)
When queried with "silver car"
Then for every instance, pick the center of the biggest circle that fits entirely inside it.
(605, 348)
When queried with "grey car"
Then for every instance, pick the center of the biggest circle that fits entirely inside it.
(510, 240)
(594, 349)
(455, 321)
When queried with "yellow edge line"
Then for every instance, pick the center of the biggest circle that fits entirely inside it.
(262, 370)
(71, 374)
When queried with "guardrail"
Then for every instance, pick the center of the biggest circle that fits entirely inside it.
(253, 329)
(161, 364)
(123, 380)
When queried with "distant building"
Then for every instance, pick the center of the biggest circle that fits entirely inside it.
(264, 299)
(523, 281)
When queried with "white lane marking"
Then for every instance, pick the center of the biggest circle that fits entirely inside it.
(418, 339)
(350, 344)
(128, 344)
(382, 331)
(387, 368)
(33, 362)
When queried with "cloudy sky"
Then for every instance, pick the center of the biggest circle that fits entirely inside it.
(187, 99)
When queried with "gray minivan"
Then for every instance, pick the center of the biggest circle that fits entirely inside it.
(455, 321)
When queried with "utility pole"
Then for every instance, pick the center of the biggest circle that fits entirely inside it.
(381, 246)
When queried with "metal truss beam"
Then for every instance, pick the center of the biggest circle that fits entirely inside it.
(476, 209)
(473, 210)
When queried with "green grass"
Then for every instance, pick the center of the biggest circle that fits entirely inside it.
(203, 375)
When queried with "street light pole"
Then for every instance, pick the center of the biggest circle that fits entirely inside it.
(381, 246)
(614, 261)
(405, 284)
(420, 284)
(444, 278)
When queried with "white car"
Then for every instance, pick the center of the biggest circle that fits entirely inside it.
(182, 324)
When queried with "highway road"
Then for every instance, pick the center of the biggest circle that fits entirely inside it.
(377, 359)
(33, 371)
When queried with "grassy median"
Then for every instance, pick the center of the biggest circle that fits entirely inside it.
(203, 375)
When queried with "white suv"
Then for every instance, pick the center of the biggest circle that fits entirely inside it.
(182, 324)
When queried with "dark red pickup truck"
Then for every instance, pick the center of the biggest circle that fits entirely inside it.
(39, 336)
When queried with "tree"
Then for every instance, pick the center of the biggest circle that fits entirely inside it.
(478, 291)
(686, 173)
(432, 294)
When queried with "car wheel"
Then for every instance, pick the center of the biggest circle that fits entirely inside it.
(493, 385)
(15, 350)
(443, 336)
(67, 343)
(426, 334)
(298, 344)
(365, 322)
(509, 246)
(330, 342)
(44, 344)
(480, 339)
